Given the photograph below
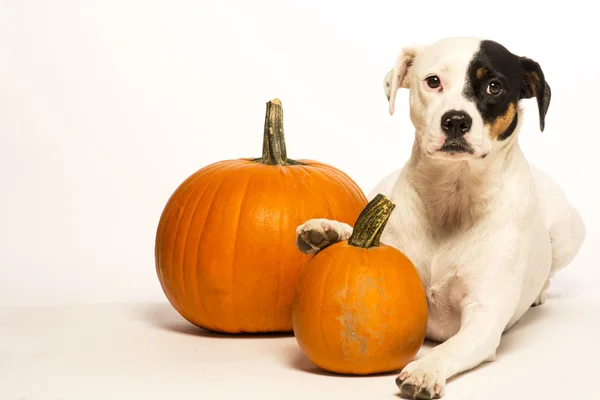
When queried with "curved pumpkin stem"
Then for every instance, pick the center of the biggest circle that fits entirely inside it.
(274, 151)
(371, 222)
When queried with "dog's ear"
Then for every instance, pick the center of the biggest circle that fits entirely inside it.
(534, 84)
(397, 77)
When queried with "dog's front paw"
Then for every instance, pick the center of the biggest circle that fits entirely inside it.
(421, 379)
(316, 234)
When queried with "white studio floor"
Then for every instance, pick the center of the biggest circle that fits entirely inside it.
(147, 351)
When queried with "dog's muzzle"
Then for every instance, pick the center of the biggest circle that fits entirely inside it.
(455, 124)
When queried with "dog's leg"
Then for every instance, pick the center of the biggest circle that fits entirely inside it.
(475, 343)
(316, 234)
(486, 291)
(542, 297)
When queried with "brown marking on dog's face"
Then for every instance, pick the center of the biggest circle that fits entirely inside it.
(481, 72)
(502, 123)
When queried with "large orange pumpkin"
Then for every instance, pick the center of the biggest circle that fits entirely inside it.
(360, 307)
(225, 245)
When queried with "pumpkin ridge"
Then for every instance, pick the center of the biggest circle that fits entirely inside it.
(279, 258)
(379, 278)
(235, 243)
(165, 219)
(228, 175)
(321, 299)
(171, 272)
(185, 282)
(346, 286)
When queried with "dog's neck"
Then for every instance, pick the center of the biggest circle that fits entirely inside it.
(456, 194)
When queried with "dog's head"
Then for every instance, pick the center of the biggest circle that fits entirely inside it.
(464, 94)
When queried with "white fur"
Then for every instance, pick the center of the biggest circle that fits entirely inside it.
(485, 235)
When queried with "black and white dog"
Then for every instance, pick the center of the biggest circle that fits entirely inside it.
(485, 229)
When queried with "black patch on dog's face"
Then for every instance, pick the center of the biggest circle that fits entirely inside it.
(512, 78)
(494, 64)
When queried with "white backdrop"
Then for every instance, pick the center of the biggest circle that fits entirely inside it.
(106, 106)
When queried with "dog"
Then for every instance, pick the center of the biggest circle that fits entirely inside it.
(485, 229)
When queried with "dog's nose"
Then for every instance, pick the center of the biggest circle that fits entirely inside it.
(456, 123)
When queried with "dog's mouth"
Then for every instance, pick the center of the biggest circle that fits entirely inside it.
(456, 145)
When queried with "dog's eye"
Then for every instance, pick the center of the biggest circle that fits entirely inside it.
(433, 81)
(494, 88)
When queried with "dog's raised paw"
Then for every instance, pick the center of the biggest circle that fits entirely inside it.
(316, 234)
(418, 380)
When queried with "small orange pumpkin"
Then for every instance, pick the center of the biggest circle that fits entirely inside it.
(360, 307)
(225, 245)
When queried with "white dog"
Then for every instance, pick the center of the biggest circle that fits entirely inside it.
(485, 229)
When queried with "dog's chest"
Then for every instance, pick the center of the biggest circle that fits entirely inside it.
(447, 283)
(446, 277)
(442, 273)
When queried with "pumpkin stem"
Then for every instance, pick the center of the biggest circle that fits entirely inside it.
(371, 222)
(274, 151)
